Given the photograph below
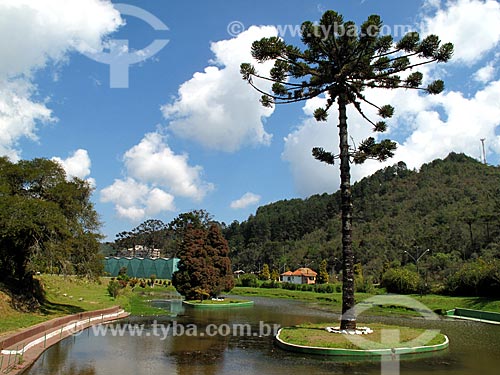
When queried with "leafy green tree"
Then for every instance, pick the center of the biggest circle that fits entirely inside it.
(275, 275)
(401, 280)
(323, 276)
(47, 223)
(265, 274)
(341, 61)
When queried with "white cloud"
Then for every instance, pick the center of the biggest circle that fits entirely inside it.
(34, 34)
(311, 176)
(216, 108)
(428, 127)
(155, 175)
(19, 115)
(248, 199)
(76, 165)
(486, 73)
(473, 26)
(152, 161)
(425, 126)
(134, 200)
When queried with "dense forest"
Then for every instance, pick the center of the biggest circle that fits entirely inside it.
(449, 206)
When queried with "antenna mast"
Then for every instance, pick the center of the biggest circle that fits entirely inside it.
(484, 153)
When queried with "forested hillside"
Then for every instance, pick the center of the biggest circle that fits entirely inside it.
(449, 206)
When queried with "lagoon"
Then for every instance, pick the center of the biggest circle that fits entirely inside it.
(474, 347)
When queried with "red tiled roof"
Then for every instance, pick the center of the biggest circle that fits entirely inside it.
(300, 272)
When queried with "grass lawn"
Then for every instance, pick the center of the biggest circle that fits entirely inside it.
(333, 301)
(316, 335)
(71, 295)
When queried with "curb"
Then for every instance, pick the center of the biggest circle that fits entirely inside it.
(218, 305)
(368, 353)
(34, 340)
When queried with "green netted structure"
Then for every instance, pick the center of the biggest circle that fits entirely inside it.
(142, 268)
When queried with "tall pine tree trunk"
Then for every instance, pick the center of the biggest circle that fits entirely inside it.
(348, 320)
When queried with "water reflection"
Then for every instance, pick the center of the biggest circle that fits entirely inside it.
(474, 348)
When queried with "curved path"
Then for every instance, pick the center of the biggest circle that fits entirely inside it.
(19, 350)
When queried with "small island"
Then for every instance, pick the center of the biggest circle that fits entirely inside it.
(217, 303)
(379, 340)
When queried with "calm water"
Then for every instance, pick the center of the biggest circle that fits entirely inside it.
(474, 348)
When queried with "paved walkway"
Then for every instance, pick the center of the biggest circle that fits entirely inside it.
(19, 350)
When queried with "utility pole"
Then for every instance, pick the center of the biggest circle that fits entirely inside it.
(484, 153)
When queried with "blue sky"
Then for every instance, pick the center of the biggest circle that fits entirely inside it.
(186, 132)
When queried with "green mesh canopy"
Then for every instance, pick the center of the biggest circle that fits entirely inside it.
(142, 268)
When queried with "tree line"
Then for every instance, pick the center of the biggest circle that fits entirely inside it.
(449, 206)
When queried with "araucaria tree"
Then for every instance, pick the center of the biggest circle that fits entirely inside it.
(340, 61)
(204, 267)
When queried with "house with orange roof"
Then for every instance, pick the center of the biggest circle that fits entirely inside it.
(302, 275)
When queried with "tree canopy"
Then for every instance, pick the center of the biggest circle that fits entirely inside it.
(47, 223)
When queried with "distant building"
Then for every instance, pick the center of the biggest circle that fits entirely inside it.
(300, 276)
(140, 251)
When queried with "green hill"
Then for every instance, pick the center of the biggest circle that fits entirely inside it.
(449, 206)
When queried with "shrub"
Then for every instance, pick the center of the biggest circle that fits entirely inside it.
(133, 282)
(477, 278)
(401, 280)
(307, 287)
(249, 280)
(289, 286)
(270, 284)
(114, 288)
(122, 274)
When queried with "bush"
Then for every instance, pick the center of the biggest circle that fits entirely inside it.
(289, 286)
(324, 288)
(365, 285)
(133, 282)
(249, 280)
(401, 280)
(477, 278)
(307, 287)
(114, 288)
(270, 284)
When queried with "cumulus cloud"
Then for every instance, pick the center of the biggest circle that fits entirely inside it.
(473, 26)
(430, 129)
(134, 200)
(486, 73)
(155, 175)
(152, 161)
(216, 108)
(19, 115)
(248, 199)
(425, 127)
(76, 165)
(34, 34)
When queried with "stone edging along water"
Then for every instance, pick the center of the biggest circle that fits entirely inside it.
(218, 305)
(358, 352)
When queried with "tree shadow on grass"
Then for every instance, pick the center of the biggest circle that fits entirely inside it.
(479, 303)
(50, 308)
